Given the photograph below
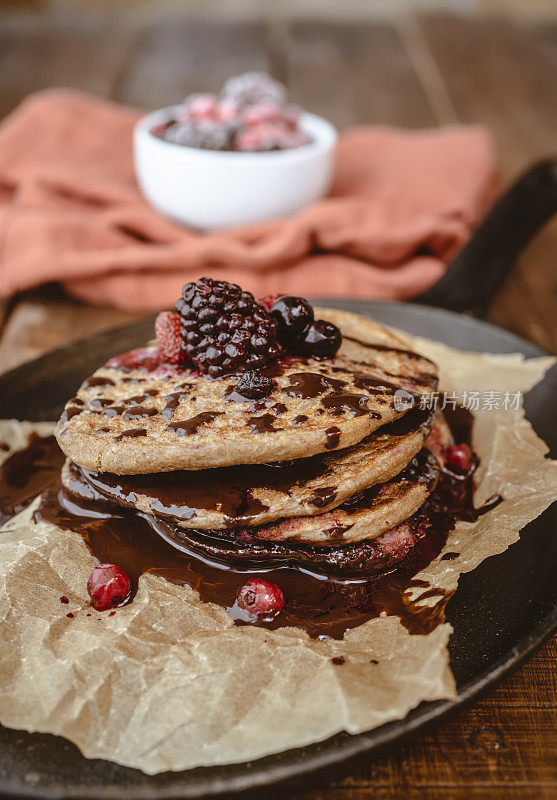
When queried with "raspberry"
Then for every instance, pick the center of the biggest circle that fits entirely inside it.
(268, 301)
(108, 586)
(199, 106)
(254, 87)
(261, 112)
(271, 112)
(224, 329)
(261, 598)
(267, 136)
(167, 330)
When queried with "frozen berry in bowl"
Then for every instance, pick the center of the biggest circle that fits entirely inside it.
(224, 329)
(322, 340)
(199, 106)
(108, 587)
(260, 598)
(252, 88)
(293, 316)
(235, 158)
(169, 339)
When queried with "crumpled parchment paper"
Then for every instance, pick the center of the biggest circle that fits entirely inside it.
(169, 682)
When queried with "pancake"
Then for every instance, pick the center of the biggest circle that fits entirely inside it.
(253, 495)
(137, 416)
(363, 516)
(364, 558)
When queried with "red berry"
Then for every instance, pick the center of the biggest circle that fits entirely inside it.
(459, 456)
(199, 107)
(268, 301)
(262, 112)
(167, 329)
(108, 586)
(260, 598)
(226, 110)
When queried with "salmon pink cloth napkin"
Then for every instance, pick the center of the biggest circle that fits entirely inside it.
(401, 205)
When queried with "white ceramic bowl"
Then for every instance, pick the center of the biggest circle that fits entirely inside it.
(207, 189)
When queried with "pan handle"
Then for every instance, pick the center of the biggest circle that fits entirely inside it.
(476, 273)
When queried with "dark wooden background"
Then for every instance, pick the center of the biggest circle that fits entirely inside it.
(418, 72)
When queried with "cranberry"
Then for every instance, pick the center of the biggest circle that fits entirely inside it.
(108, 586)
(293, 315)
(459, 456)
(261, 598)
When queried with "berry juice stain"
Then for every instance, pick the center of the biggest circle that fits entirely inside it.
(322, 604)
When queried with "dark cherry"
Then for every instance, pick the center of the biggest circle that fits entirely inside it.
(108, 586)
(293, 315)
(321, 339)
(459, 457)
(260, 598)
(254, 385)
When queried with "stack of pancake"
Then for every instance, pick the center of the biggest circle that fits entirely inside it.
(326, 473)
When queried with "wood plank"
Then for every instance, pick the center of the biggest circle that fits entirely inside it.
(172, 60)
(355, 73)
(494, 749)
(503, 75)
(45, 319)
(36, 53)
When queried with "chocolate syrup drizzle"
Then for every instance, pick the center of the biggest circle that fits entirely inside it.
(322, 606)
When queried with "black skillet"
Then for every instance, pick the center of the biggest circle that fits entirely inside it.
(502, 611)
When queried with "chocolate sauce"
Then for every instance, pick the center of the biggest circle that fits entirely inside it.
(140, 398)
(310, 384)
(279, 408)
(373, 385)
(138, 412)
(387, 348)
(356, 404)
(263, 423)
(323, 497)
(140, 543)
(97, 381)
(69, 412)
(333, 437)
(113, 411)
(300, 419)
(26, 473)
(133, 433)
(173, 401)
(100, 402)
(190, 426)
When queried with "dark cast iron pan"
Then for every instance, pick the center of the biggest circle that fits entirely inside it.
(501, 612)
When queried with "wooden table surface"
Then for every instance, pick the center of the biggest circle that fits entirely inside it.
(419, 72)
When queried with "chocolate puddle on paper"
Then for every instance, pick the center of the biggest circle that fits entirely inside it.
(323, 605)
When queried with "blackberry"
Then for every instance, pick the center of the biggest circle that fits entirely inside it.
(224, 329)
(202, 134)
(254, 385)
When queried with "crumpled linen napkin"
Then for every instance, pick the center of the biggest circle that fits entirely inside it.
(401, 205)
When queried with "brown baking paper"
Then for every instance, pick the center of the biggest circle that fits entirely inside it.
(169, 683)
